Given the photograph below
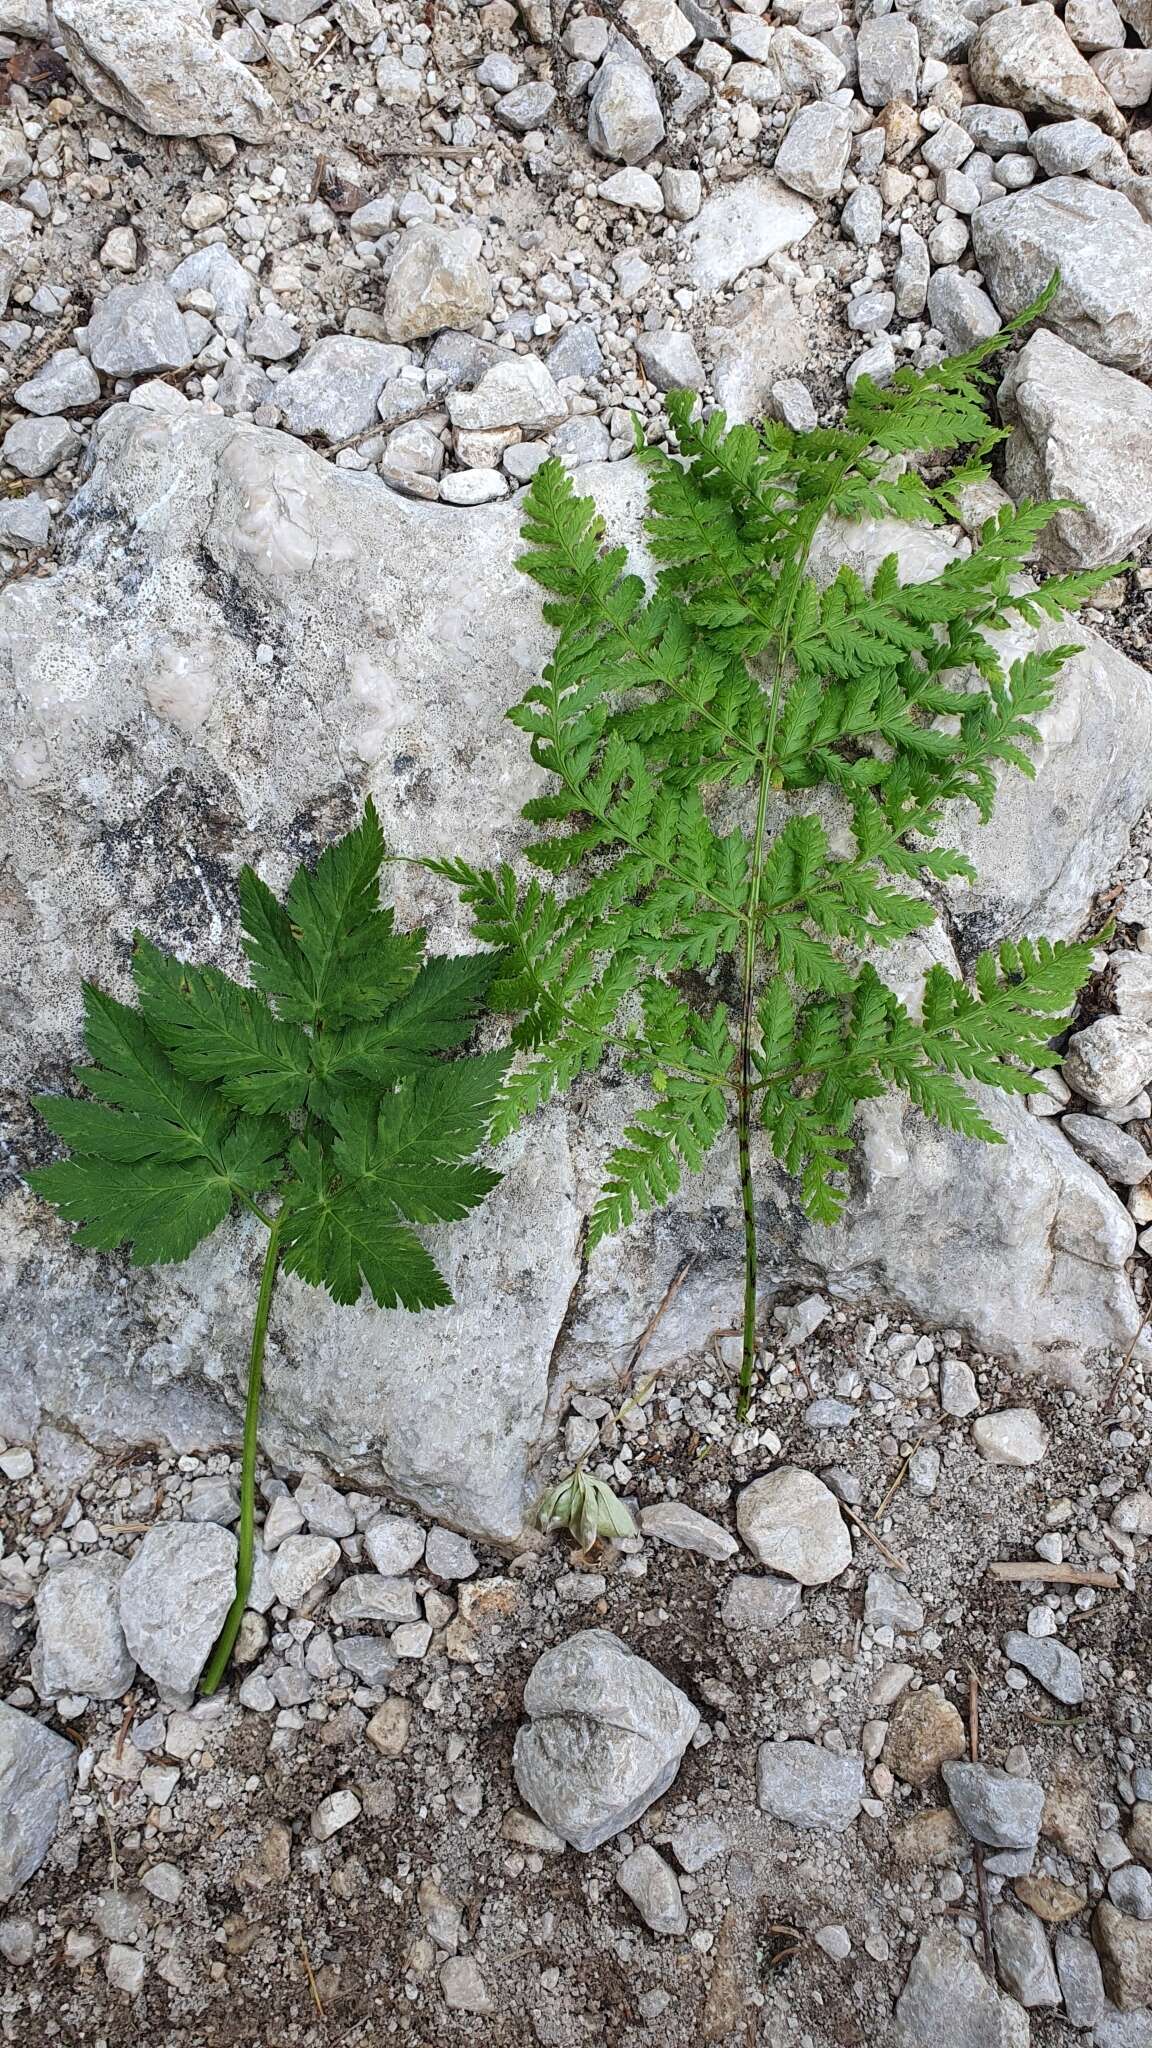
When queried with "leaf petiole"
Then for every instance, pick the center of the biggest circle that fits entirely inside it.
(218, 1662)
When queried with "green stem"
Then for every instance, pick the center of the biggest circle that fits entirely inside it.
(748, 1200)
(795, 573)
(218, 1662)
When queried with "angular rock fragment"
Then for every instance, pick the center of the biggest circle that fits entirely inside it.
(155, 62)
(37, 1771)
(948, 1998)
(1024, 57)
(792, 1524)
(80, 1646)
(808, 1786)
(173, 1599)
(604, 1737)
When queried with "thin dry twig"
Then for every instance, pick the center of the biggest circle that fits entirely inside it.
(977, 1847)
(793, 1938)
(897, 1483)
(125, 1725)
(655, 1319)
(386, 149)
(311, 1976)
(1025, 1570)
(889, 1556)
(1127, 1358)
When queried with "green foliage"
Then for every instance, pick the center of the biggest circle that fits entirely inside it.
(321, 1089)
(691, 918)
(322, 1085)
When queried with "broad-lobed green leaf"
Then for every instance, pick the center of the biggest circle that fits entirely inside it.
(344, 1034)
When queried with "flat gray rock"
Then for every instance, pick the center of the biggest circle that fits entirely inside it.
(762, 1602)
(808, 1786)
(37, 1772)
(604, 1737)
(368, 1596)
(80, 1646)
(1082, 433)
(173, 1599)
(1102, 247)
(947, 1997)
(1050, 1662)
(997, 1809)
(672, 1521)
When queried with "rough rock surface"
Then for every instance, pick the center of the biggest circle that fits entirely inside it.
(80, 1645)
(263, 664)
(1125, 1950)
(437, 281)
(605, 1735)
(1102, 247)
(652, 1886)
(1024, 57)
(157, 63)
(808, 1786)
(173, 1599)
(948, 1997)
(925, 1731)
(995, 1807)
(1082, 434)
(792, 1524)
(37, 1769)
(739, 229)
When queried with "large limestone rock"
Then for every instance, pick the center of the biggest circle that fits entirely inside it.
(1024, 57)
(1082, 434)
(242, 641)
(155, 62)
(1102, 248)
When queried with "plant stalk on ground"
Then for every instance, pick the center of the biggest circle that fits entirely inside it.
(323, 1087)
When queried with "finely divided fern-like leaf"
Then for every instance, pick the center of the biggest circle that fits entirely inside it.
(682, 923)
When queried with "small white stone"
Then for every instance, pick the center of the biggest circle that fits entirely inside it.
(337, 1811)
(1011, 1436)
